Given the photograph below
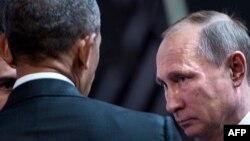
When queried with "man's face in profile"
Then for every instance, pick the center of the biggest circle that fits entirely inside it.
(198, 93)
(7, 79)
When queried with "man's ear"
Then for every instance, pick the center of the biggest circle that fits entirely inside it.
(85, 47)
(237, 64)
(5, 51)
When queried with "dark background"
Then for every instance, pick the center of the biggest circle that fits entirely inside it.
(131, 34)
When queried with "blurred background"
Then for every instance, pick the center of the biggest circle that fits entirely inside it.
(131, 34)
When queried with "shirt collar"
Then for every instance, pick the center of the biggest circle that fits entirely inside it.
(245, 120)
(41, 75)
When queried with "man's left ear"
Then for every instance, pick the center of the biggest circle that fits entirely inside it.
(85, 47)
(237, 64)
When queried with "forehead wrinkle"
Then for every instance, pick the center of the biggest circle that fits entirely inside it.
(173, 50)
(179, 51)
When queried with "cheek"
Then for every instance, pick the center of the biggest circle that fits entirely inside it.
(198, 98)
(207, 104)
(193, 90)
(95, 58)
(193, 95)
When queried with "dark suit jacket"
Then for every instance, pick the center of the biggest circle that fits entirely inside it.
(54, 110)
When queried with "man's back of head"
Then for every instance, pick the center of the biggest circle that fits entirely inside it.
(48, 28)
(56, 36)
(54, 45)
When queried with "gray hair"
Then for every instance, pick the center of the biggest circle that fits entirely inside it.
(220, 35)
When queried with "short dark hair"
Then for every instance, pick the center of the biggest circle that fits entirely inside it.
(221, 34)
(2, 4)
(47, 28)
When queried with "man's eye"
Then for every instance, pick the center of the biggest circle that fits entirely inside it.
(181, 78)
(7, 84)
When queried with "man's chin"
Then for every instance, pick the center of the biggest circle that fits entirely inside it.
(193, 131)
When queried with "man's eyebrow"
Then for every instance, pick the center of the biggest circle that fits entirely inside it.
(175, 73)
(170, 75)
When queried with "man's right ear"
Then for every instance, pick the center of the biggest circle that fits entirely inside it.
(85, 49)
(237, 64)
(5, 51)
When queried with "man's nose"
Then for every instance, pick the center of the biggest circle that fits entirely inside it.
(174, 101)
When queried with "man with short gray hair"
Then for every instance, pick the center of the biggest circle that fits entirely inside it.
(203, 65)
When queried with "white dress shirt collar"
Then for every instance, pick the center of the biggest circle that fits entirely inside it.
(41, 75)
(245, 120)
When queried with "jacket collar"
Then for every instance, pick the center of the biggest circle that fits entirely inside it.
(41, 87)
(41, 75)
